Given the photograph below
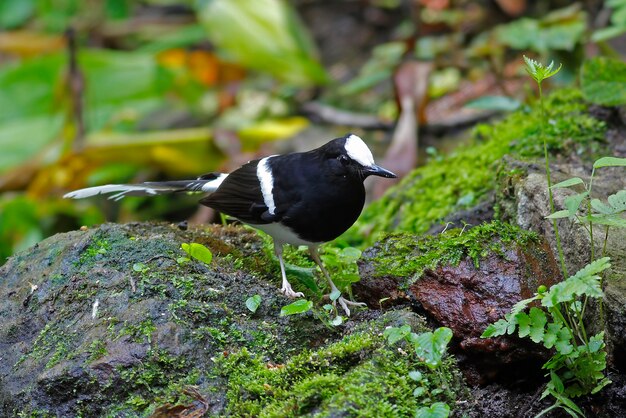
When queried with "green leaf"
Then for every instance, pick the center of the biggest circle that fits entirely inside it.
(559, 214)
(24, 137)
(568, 183)
(523, 322)
(538, 71)
(436, 410)
(603, 81)
(551, 335)
(334, 295)
(610, 162)
(594, 267)
(299, 306)
(496, 329)
(431, 346)
(395, 334)
(419, 391)
(253, 303)
(182, 260)
(14, 13)
(601, 207)
(338, 320)
(604, 34)
(561, 29)
(596, 342)
(522, 304)
(537, 323)
(617, 204)
(618, 201)
(198, 251)
(117, 9)
(585, 281)
(385, 58)
(604, 382)
(415, 375)
(572, 408)
(140, 267)
(563, 342)
(556, 382)
(572, 203)
(265, 35)
(350, 255)
(608, 220)
(305, 275)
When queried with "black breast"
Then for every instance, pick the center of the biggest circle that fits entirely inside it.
(317, 204)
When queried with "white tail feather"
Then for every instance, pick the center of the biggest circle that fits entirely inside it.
(149, 188)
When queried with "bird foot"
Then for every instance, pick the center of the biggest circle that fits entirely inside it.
(344, 303)
(289, 292)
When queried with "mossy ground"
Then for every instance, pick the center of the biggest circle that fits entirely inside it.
(118, 297)
(359, 375)
(462, 179)
(406, 255)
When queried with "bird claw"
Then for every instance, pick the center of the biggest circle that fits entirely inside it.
(290, 293)
(345, 302)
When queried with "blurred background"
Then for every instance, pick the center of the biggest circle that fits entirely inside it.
(108, 91)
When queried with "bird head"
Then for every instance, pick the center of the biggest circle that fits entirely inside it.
(350, 156)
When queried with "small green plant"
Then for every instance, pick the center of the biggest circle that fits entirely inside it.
(197, 251)
(140, 268)
(539, 73)
(341, 264)
(577, 366)
(430, 348)
(595, 211)
(253, 303)
(578, 363)
(297, 307)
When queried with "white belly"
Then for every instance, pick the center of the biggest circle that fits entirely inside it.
(282, 234)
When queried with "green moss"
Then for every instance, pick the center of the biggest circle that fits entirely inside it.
(52, 344)
(37, 413)
(159, 379)
(97, 349)
(407, 254)
(98, 246)
(359, 375)
(139, 333)
(460, 180)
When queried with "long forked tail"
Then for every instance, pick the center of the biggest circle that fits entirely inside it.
(207, 183)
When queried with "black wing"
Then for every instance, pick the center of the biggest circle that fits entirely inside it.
(240, 196)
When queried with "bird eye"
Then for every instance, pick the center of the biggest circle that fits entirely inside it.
(343, 159)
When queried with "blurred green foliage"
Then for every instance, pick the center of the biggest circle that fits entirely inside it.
(265, 35)
(175, 88)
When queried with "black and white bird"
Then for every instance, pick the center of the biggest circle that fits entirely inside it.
(302, 198)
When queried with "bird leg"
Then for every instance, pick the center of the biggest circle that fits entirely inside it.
(286, 287)
(342, 301)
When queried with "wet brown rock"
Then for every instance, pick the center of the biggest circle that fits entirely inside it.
(465, 296)
(467, 299)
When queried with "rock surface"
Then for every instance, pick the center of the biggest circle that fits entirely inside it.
(111, 322)
(524, 201)
(470, 295)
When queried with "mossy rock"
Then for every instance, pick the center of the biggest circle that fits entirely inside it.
(467, 177)
(111, 321)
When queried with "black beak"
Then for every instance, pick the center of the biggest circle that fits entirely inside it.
(378, 171)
